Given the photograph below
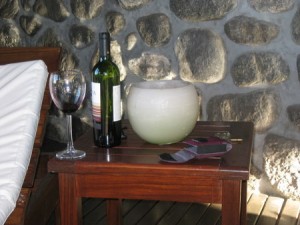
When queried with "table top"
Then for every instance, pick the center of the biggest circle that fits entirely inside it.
(137, 156)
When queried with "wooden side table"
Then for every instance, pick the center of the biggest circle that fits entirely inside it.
(133, 171)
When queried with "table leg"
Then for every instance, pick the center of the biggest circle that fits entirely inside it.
(114, 211)
(231, 202)
(70, 204)
(244, 203)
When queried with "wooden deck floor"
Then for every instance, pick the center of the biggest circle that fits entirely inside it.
(262, 210)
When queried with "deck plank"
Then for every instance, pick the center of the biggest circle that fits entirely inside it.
(254, 207)
(174, 215)
(94, 210)
(211, 215)
(90, 204)
(128, 205)
(156, 213)
(193, 214)
(290, 213)
(138, 212)
(271, 211)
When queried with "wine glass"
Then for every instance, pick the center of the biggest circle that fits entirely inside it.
(67, 89)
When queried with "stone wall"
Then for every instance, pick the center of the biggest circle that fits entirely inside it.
(242, 56)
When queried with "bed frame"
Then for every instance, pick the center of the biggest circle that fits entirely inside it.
(37, 185)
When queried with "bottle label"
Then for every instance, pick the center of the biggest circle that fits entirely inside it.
(117, 102)
(96, 102)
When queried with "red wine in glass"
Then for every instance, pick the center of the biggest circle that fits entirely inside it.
(69, 108)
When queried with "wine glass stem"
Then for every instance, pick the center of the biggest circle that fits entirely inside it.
(70, 146)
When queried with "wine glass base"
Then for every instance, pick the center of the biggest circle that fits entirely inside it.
(74, 154)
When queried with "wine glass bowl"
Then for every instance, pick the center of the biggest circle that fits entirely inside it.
(67, 89)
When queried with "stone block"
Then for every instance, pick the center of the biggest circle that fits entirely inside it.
(30, 24)
(54, 9)
(154, 29)
(133, 4)
(196, 11)
(201, 56)
(250, 31)
(86, 9)
(282, 165)
(9, 8)
(151, 67)
(261, 107)
(115, 22)
(293, 112)
(272, 6)
(295, 27)
(81, 36)
(264, 68)
(9, 35)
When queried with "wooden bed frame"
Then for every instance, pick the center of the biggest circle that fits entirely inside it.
(31, 193)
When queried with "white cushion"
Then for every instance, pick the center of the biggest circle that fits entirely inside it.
(22, 88)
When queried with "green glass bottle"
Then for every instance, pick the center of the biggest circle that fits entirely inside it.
(106, 97)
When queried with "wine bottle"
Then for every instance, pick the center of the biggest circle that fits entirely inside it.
(106, 97)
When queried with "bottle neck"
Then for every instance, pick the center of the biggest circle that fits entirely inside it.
(104, 40)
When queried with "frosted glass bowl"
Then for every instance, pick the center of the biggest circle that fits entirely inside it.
(162, 112)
